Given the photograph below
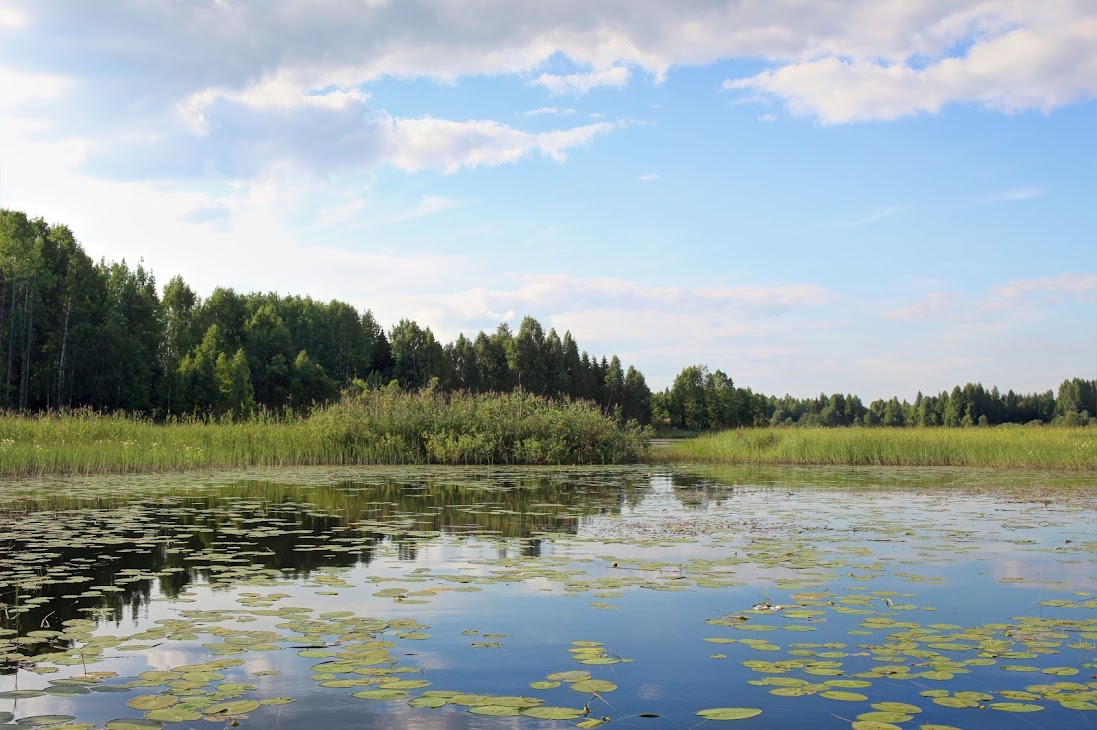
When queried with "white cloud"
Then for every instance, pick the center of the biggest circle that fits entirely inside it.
(286, 80)
(580, 83)
(20, 88)
(561, 294)
(1075, 286)
(428, 205)
(548, 110)
(239, 136)
(996, 302)
(426, 142)
(651, 177)
(660, 329)
(1015, 194)
(1024, 68)
(11, 18)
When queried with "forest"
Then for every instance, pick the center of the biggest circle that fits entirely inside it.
(75, 333)
(700, 400)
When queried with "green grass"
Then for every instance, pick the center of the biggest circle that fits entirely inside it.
(375, 427)
(1022, 447)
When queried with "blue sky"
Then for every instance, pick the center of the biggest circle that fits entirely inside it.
(862, 197)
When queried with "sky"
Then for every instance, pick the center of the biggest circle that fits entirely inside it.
(867, 196)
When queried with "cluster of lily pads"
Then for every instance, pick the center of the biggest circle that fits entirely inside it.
(78, 561)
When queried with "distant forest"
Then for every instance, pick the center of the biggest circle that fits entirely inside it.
(76, 333)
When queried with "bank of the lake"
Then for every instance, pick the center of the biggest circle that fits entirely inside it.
(1012, 447)
(375, 427)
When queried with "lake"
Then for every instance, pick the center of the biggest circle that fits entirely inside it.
(638, 597)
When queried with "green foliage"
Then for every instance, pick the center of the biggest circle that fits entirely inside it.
(967, 406)
(371, 426)
(700, 400)
(76, 334)
(1008, 446)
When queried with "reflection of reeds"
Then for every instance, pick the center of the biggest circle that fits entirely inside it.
(1073, 449)
(375, 427)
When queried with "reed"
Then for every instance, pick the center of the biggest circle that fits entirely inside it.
(375, 427)
(1006, 446)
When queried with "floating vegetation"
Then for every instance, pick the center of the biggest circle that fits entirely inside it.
(141, 602)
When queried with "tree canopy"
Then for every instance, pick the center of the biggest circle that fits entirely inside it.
(74, 333)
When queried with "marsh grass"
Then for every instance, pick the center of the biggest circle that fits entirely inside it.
(1072, 449)
(375, 427)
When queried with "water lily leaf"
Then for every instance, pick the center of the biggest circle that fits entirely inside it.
(793, 691)
(955, 702)
(432, 702)
(552, 713)
(151, 702)
(173, 714)
(236, 707)
(404, 683)
(834, 694)
(381, 694)
(1014, 707)
(588, 686)
(885, 717)
(729, 713)
(44, 720)
(1061, 671)
(66, 690)
(902, 707)
(126, 723)
(570, 676)
(544, 684)
(495, 710)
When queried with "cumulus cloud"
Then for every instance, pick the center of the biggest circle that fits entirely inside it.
(580, 83)
(288, 79)
(449, 145)
(239, 136)
(1040, 67)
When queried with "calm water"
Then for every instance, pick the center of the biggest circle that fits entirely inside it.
(644, 597)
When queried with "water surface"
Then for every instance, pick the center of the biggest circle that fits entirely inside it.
(360, 598)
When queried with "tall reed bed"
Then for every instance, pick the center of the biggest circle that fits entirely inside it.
(1073, 449)
(374, 427)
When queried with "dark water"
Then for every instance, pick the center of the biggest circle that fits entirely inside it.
(964, 595)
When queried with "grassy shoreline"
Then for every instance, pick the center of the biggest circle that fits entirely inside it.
(392, 427)
(1009, 447)
(376, 427)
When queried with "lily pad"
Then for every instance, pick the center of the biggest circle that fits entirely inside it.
(729, 713)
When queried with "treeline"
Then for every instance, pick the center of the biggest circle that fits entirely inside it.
(700, 400)
(75, 333)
